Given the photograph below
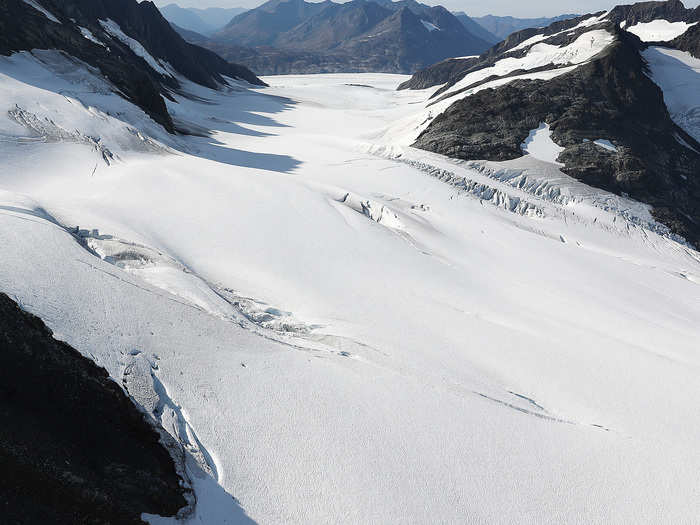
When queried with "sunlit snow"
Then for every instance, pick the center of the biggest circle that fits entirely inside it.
(343, 329)
(659, 30)
(113, 29)
(539, 144)
(678, 74)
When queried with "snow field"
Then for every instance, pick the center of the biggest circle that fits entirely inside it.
(351, 334)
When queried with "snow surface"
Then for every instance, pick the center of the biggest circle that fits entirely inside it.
(659, 30)
(36, 5)
(605, 144)
(92, 38)
(113, 29)
(677, 73)
(585, 47)
(429, 26)
(539, 144)
(340, 329)
(588, 22)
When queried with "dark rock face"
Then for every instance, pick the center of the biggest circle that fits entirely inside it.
(612, 98)
(294, 36)
(73, 447)
(439, 73)
(24, 28)
(690, 40)
(671, 10)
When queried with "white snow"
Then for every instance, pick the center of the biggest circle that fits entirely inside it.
(92, 38)
(350, 331)
(36, 5)
(430, 26)
(605, 144)
(585, 47)
(677, 73)
(588, 22)
(113, 29)
(539, 144)
(659, 30)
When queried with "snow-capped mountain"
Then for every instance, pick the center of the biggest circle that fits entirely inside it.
(294, 36)
(324, 324)
(628, 77)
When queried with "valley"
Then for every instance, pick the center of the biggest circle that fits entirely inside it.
(471, 295)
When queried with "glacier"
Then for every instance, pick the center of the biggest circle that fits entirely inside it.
(340, 328)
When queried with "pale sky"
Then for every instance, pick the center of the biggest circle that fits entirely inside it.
(518, 8)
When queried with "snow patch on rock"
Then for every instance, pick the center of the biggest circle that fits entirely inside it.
(430, 26)
(92, 38)
(114, 30)
(539, 144)
(659, 30)
(42, 10)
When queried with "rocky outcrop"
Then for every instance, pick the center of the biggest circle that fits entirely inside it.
(612, 98)
(440, 73)
(73, 447)
(671, 10)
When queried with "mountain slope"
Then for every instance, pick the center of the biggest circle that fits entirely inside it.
(130, 43)
(262, 25)
(204, 21)
(186, 18)
(476, 29)
(487, 110)
(73, 448)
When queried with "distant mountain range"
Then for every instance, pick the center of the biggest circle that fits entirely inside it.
(503, 26)
(204, 21)
(294, 36)
(489, 28)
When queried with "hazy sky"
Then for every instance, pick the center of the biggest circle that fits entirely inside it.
(519, 8)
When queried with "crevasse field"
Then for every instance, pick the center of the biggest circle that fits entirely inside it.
(343, 329)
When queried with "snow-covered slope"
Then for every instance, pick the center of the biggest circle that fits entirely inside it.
(342, 329)
(678, 74)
